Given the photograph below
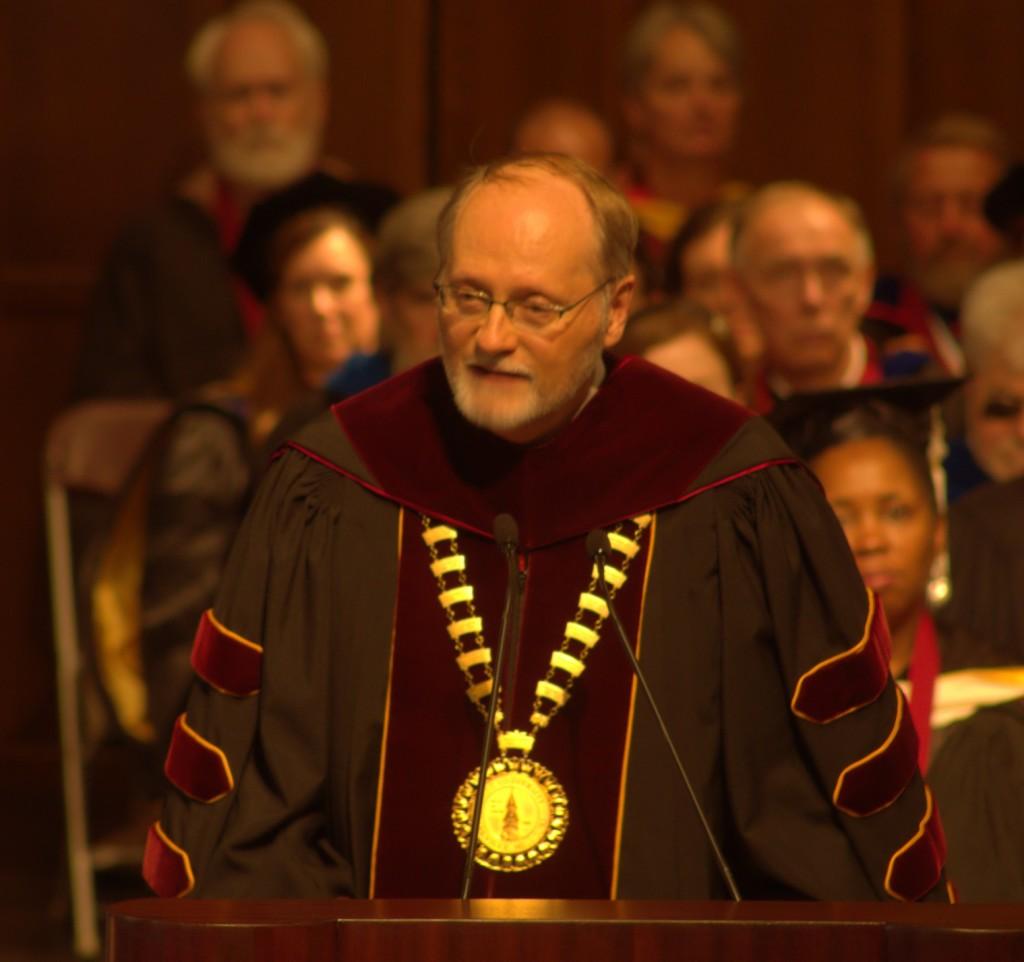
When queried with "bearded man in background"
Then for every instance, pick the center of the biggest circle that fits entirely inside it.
(168, 315)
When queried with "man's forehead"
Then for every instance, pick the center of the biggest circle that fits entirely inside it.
(799, 219)
(527, 188)
(952, 163)
(529, 207)
(252, 48)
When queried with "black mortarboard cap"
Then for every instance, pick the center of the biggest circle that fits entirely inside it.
(366, 202)
(905, 412)
(806, 420)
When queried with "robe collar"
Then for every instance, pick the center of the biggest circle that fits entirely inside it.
(636, 446)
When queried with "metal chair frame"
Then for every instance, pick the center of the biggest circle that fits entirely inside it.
(73, 461)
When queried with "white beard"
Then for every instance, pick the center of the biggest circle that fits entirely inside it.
(504, 414)
(264, 158)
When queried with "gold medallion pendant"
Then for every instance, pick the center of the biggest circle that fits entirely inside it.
(525, 811)
(524, 816)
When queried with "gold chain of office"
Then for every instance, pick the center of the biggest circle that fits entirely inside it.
(525, 810)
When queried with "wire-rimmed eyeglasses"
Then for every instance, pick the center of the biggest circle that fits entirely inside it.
(534, 312)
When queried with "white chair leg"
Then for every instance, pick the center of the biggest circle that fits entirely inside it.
(80, 867)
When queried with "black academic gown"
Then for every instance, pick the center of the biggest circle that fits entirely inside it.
(164, 319)
(978, 774)
(986, 533)
(329, 732)
(977, 767)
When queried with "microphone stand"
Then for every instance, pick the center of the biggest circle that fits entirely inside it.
(506, 533)
(598, 547)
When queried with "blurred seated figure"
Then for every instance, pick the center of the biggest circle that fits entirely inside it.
(803, 265)
(986, 538)
(684, 338)
(868, 448)
(986, 518)
(308, 261)
(992, 448)
(977, 775)
(699, 268)
(559, 125)
(168, 316)
(942, 179)
(405, 264)
(681, 101)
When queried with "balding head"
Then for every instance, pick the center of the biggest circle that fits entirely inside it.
(615, 227)
(561, 126)
(794, 195)
(803, 264)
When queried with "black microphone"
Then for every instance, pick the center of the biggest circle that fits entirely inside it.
(506, 534)
(598, 548)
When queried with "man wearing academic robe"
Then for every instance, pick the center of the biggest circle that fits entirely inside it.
(328, 746)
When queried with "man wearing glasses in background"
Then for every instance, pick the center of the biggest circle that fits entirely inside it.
(804, 267)
(993, 342)
(329, 745)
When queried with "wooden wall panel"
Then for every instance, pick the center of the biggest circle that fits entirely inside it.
(966, 54)
(831, 88)
(97, 123)
(496, 59)
(98, 120)
(35, 353)
(825, 97)
(824, 83)
(379, 53)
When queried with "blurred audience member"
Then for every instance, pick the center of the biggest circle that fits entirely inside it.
(562, 126)
(804, 267)
(168, 316)
(681, 86)
(942, 179)
(986, 538)
(993, 342)
(308, 261)
(405, 265)
(977, 775)
(699, 267)
(686, 339)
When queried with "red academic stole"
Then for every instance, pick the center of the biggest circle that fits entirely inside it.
(229, 228)
(924, 669)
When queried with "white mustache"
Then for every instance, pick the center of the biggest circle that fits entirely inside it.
(499, 369)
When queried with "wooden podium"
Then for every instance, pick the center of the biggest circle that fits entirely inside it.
(157, 930)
